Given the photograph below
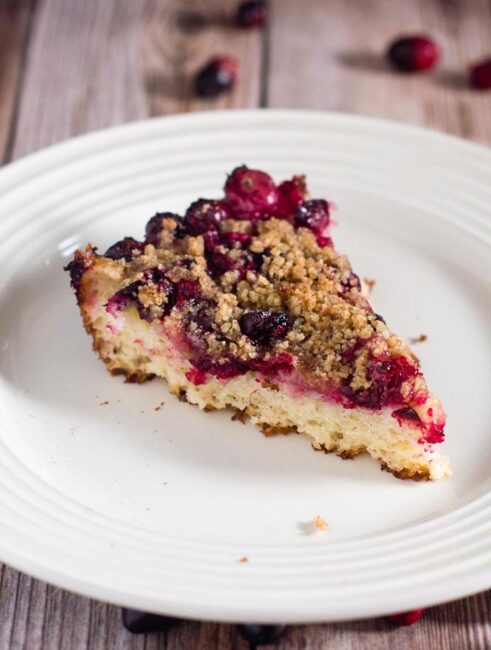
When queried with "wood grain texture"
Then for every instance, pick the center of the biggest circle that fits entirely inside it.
(15, 20)
(94, 64)
(326, 55)
(68, 67)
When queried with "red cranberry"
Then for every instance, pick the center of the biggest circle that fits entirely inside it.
(76, 269)
(413, 53)
(236, 239)
(129, 295)
(480, 75)
(273, 366)
(406, 618)
(140, 622)
(387, 377)
(220, 263)
(155, 225)
(313, 214)
(216, 77)
(352, 281)
(262, 325)
(125, 249)
(188, 291)
(257, 635)
(252, 13)
(291, 194)
(204, 215)
(251, 193)
(406, 416)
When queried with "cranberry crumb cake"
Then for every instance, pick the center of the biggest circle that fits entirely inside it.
(245, 303)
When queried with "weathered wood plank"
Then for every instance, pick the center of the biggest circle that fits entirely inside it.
(15, 18)
(325, 55)
(94, 64)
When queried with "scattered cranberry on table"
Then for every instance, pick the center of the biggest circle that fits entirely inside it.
(252, 13)
(480, 75)
(413, 53)
(261, 634)
(406, 618)
(216, 77)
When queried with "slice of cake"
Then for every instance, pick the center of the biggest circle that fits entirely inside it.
(245, 303)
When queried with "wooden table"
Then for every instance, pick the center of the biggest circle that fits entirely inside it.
(71, 66)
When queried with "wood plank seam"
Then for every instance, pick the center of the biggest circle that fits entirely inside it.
(20, 83)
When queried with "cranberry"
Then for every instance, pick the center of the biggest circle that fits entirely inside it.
(387, 377)
(480, 75)
(262, 325)
(220, 263)
(291, 194)
(228, 368)
(252, 13)
(434, 433)
(352, 281)
(204, 215)
(212, 240)
(76, 269)
(155, 225)
(406, 618)
(125, 249)
(261, 634)
(313, 214)
(413, 53)
(272, 366)
(251, 193)
(141, 622)
(216, 77)
(406, 414)
(236, 239)
(188, 291)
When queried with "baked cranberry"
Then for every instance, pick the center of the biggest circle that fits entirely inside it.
(261, 634)
(271, 367)
(204, 215)
(216, 77)
(251, 193)
(219, 263)
(263, 325)
(406, 416)
(290, 195)
(235, 239)
(351, 281)
(413, 53)
(387, 377)
(212, 239)
(155, 225)
(406, 618)
(480, 75)
(313, 214)
(142, 623)
(130, 294)
(252, 13)
(76, 269)
(188, 291)
(125, 249)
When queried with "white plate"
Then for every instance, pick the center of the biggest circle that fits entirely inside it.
(153, 508)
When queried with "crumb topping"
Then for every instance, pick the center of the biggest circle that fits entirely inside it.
(264, 289)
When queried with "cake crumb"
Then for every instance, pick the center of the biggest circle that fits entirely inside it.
(239, 416)
(370, 283)
(104, 403)
(157, 408)
(320, 524)
(419, 339)
(243, 559)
